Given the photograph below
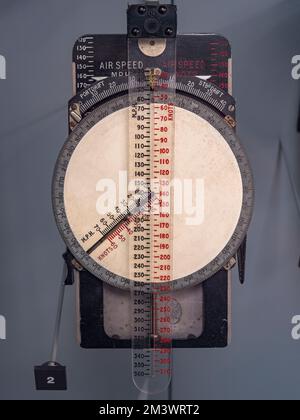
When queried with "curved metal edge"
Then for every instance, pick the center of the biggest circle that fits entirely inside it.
(212, 268)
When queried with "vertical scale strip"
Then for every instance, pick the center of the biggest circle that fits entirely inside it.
(162, 220)
(139, 171)
(151, 170)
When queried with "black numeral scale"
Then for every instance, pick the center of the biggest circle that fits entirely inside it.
(152, 191)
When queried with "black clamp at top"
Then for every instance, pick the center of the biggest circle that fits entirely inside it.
(152, 20)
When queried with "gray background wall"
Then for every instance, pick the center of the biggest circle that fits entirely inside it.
(263, 361)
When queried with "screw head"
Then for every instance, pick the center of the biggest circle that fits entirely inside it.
(142, 10)
(135, 31)
(163, 10)
(169, 31)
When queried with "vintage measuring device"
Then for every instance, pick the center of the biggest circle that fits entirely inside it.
(152, 191)
(151, 170)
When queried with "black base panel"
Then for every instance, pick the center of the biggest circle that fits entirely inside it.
(106, 56)
(215, 334)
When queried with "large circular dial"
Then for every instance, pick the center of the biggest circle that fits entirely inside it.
(209, 164)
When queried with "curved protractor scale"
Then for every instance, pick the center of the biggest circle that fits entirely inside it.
(197, 88)
(207, 153)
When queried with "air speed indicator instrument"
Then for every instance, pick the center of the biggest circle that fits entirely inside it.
(152, 191)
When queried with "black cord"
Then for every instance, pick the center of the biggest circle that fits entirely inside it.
(170, 391)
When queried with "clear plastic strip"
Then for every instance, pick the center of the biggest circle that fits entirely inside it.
(151, 170)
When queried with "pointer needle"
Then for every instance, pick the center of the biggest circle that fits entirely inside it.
(136, 208)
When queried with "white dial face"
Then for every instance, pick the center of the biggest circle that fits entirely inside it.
(202, 159)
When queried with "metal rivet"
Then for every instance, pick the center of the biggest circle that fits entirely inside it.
(169, 31)
(135, 31)
(163, 10)
(142, 10)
